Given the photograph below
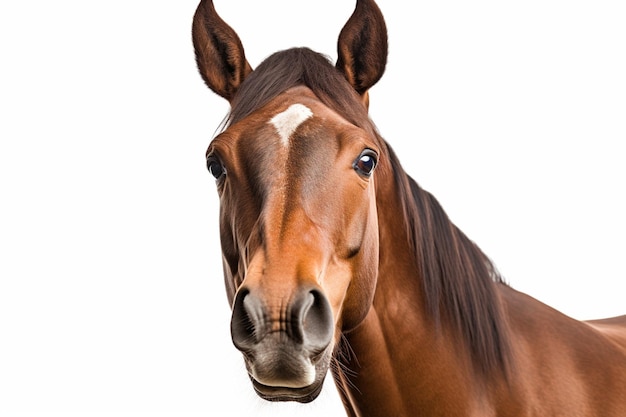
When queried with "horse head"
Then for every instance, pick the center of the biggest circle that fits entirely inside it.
(295, 168)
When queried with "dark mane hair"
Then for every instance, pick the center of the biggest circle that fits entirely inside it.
(459, 281)
(293, 67)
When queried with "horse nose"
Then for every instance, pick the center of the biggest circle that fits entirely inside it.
(306, 320)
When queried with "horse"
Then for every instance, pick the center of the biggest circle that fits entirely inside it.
(334, 258)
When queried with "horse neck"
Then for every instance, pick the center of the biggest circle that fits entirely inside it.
(398, 361)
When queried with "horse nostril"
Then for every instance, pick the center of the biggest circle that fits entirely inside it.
(309, 324)
(315, 321)
(246, 312)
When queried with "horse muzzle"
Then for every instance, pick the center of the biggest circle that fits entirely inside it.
(286, 342)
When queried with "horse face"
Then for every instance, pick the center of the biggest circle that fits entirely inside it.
(298, 210)
(299, 237)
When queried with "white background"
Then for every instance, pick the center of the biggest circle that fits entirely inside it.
(111, 294)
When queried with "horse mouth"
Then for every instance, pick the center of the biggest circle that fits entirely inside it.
(301, 395)
(296, 387)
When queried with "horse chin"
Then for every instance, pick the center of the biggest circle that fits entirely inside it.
(301, 395)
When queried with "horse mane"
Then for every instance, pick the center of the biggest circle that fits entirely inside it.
(293, 67)
(458, 280)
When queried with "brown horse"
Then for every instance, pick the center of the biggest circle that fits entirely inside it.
(335, 258)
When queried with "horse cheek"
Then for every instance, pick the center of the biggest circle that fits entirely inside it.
(360, 292)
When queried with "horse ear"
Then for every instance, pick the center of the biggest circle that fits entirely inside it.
(362, 47)
(219, 53)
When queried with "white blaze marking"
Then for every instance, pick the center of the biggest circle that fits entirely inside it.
(288, 121)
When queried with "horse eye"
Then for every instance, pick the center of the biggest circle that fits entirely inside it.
(215, 167)
(365, 163)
